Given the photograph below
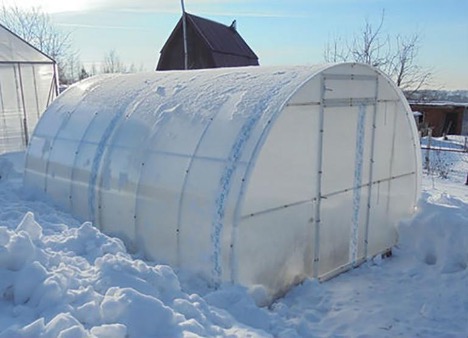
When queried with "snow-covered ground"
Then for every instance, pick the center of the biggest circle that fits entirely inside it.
(59, 278)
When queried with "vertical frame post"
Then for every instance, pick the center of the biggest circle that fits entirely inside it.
(318, 191)
(184, 32)
(371, 170)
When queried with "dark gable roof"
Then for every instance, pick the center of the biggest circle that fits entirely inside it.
(221, 38)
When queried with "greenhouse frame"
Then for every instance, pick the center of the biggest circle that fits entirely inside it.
(258, 176)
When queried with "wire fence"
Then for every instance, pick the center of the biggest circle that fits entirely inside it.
(445, 157)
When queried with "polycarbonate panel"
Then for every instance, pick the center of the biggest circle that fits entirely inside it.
(218, 140)
(339, 150)
(117, 187)
(31, 104)
(169, 139)
(35, 171)
(59, 172)
(364, 220)
(382, 232)
(208, 181)
(50, 124)
(120, 173)
(275, 248)
(9, 88)
(157, 205)
(11, 112)
(384, 140)
(310, 93)
(284, 173)
(45, 88)
(356, 88)
(336, 219)
(404, 159)
(393, 208)
(81, 175)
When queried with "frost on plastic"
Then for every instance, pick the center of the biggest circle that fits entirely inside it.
(259, 176)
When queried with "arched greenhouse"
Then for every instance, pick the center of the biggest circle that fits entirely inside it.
(259, 176)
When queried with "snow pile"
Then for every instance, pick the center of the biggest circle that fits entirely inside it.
(59, 278)
(78, 282)
(438, 234)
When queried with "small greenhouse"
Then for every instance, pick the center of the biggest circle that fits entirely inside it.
(258, 176)
(28, 83)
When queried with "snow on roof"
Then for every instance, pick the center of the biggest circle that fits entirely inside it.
(439, 103)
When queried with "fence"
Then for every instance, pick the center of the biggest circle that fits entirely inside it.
(445, 156)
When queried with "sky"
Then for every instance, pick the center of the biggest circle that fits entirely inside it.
(293, 32)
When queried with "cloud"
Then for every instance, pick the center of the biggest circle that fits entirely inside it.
(76, 25)
(232, 8)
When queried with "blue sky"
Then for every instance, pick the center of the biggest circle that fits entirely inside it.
(280, 32)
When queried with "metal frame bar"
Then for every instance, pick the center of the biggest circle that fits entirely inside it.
(371, 172)
(349, 102)
(38, 113)
(355, 77)
(318, 191)
(25, 113)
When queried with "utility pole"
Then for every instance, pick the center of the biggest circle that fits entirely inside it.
(184, 31)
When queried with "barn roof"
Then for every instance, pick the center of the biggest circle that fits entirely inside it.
(227, 46)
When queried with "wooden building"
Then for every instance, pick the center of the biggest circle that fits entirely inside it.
(442, 117)
(209, 45)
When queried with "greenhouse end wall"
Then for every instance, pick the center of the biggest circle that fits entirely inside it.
(26, 89)
(28, 83)
(259, 176)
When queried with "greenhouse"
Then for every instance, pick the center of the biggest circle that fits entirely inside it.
(257, 176)
(28, 83)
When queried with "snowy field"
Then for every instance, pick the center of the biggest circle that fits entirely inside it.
(59, 278)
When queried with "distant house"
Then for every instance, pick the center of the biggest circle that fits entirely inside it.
(448, 118)
(28, 84)
(209, 45)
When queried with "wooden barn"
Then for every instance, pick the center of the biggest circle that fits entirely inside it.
(209, 45)
(442, 117)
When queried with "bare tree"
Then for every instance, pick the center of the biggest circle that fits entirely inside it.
(112, 63)
(335, 50)
(397, 56)
(35, 26)
(404, 69)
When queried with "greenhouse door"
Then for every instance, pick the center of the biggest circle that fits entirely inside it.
(345, 173)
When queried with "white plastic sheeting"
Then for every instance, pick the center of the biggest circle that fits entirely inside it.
(28, 83)
(257, 176)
